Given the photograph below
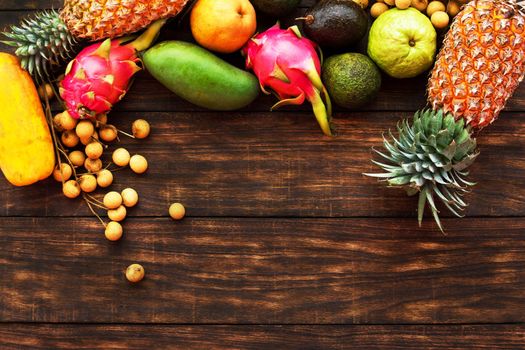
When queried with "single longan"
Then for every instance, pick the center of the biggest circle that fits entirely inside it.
(420, 5)
(101, 119)
(62, 174)
(86, 141)
(453, 8)
(130, 197)
(177, 211)
(138, 164)
(135, 273)
(113, 231)
(68, 122)
(378, 9)
(94, 150)
(57, 122)
(108, 133)
(93, 165)
(140, 128)
(362, 3)
(104, 178)
(71, 189)
(69, 139)
(440, 19)
(403, 4)
(88, 183)
(46, 90)
(85, 129)
(112, 200)
(390, 2)
(118, 214)
(121, 157)
(435, 6)
(77, 158)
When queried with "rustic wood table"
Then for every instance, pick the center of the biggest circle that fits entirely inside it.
(285, 246)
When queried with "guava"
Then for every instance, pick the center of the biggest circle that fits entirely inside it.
(402, 43)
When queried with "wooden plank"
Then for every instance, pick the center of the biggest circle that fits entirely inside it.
(279, 164)
(139, 337)
(264, 271)
(149, 95)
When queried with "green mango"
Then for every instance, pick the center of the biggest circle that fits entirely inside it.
(200, 77)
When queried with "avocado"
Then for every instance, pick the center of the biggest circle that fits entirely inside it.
(335, 24)
(275, 8)
(352, 79)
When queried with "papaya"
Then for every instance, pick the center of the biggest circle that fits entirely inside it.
(200, 77)
(26, 147)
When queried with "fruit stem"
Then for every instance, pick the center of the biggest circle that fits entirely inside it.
(147, 38)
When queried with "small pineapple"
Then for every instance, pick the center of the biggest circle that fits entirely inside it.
(479, 67)
(482, 62)
(42, 43)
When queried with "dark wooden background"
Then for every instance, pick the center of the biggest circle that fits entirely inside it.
(285, 246)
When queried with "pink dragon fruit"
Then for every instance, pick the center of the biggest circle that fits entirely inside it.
(288, 64)
(101, 74)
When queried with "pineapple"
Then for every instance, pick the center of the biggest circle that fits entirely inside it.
(480, 65)
(50, 38)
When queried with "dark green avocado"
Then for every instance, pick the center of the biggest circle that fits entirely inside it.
(275, 8)
(335, 24)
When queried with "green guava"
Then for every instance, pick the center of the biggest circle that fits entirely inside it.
(402, 43)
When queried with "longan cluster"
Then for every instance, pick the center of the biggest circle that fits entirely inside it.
(439, 11)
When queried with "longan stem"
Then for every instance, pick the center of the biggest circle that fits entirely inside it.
(125, 133)
(93, 211)
(96, 200)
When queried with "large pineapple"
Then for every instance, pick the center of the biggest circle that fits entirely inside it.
(49, 38)
(479, 67)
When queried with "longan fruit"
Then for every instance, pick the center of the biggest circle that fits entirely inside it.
(140, 128)
(113, 231)
(135, 273)
(94, 150)
(390, 2)
(101, 119)
(108, 133)
(130, 197)
(453, 8)
(112, 200)
(118, 214)
(435, 6)
(104, 178)
(93, 165)
(68, 122)
(44, 90)
(62, 174)
(138, 164)
(362, 3)
(440, 19)
(77, 158)
(88, 183)
(86, 141)
(403, 4)
(420, 5)
(84, 129)
(378, 9)
(71, 189)
(69, 139)
(57, 122)
(177, 211)
(121, 157)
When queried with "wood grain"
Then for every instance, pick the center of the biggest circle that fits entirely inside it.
(279, 164)
(264, 271)
(140, 337)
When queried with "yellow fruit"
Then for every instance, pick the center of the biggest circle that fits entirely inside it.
(69, 139)
(362, 3)
(130, 197)
(104, 178)
(403, 4)
(112, 200)
(64, 173)
(118, 214)
(435, 6)
(85, 129)
(390, 2)
(453, 8)
(44, 90)
(138, 164)
(71, 189)
(140, 128)
(26, 149)
(108, 133)
(88, 183)
(94, 150)
(439, 19)
(420, 5)
(77, 158)
(378, 9)
(223, 25)
(93, 165)
(135, 273)
(121, 157)
(113, 231)
(68, 122)
(177, 211)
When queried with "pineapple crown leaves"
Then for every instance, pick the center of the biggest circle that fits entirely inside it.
(430, 157)
(42, 42)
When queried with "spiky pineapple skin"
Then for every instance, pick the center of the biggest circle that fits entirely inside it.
(100, 19)
(481, 63)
